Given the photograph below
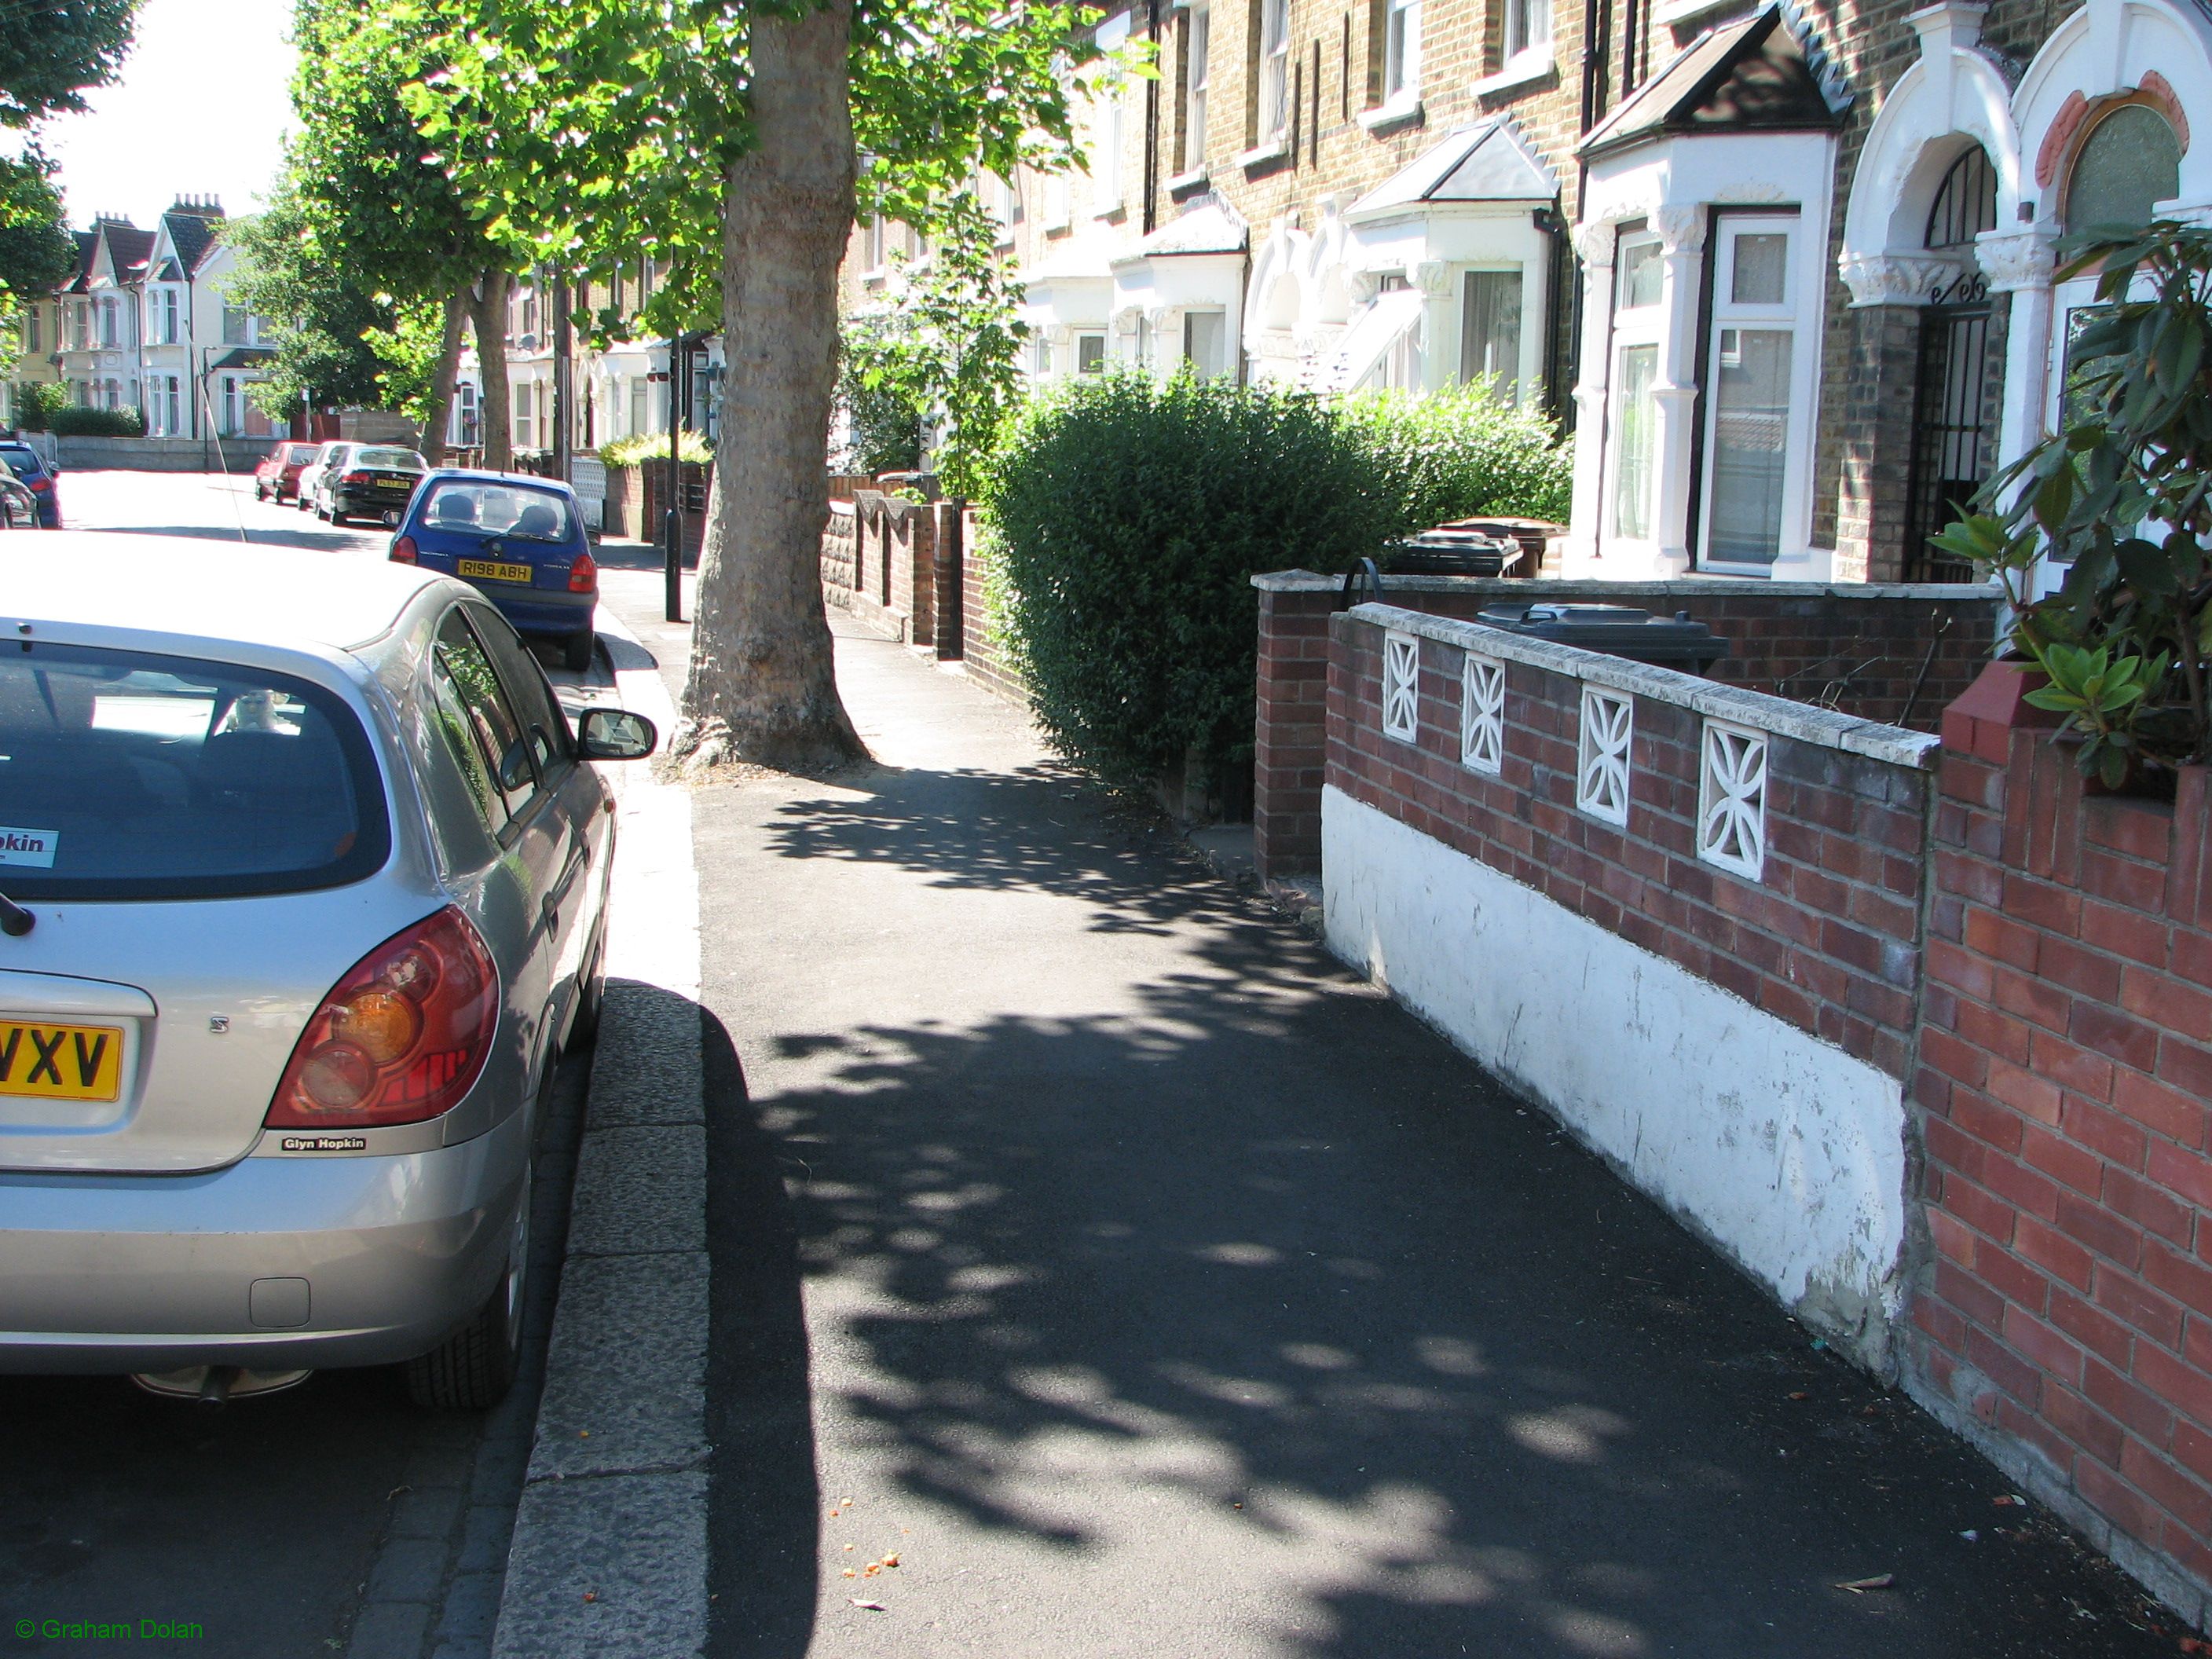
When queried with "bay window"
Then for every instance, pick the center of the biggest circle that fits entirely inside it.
(1748, 379)
(1632, 431)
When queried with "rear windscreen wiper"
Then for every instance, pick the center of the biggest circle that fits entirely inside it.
(14, 920)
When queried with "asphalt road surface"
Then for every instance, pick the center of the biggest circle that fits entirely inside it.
(271, 1523)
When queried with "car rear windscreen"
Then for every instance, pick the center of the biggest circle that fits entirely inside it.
(125, 775)
(469, 505)
(21, 457)
(405, 460)
(300, 455)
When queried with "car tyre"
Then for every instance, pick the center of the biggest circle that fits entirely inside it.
(576, 650)
(472, 1369)
(337, 517)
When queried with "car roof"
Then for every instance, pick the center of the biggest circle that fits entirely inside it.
(478, 475)
(284, 598)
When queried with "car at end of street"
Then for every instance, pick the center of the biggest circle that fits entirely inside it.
(369, 480)
(303, 890)
(518, 539)
(311, 475)
(278, 477)
(41, 476)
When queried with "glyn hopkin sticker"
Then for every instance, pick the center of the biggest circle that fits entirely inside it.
(28, 846)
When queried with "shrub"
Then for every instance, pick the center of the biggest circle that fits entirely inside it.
(2119, 502)
(36, 402)
(647, 448)
(74, 421)
(1460, 454)
(1131, 516)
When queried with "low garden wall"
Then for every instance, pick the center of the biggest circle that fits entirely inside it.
(87, 453)
(637, 497)
(1682, 917)
(1895, 654)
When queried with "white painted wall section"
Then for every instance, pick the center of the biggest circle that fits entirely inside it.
(1782, 1150)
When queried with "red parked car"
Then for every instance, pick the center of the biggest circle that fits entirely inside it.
(278, 477)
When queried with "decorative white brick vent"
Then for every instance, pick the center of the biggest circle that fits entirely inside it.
(1482, 715)
(1732, 798)
(1601, 778)
(1401, 676)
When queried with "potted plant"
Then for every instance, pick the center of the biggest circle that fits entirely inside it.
(2122, 498)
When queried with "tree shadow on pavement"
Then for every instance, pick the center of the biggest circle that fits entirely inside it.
(1249, 1286)
(760, 1413)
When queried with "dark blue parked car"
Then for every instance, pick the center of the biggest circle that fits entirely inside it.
(31, 467)
(518, 539)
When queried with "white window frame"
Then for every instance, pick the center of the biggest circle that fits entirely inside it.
(1729, 226)
(1645, 327)
(1732, 798)
(1099, 367)
(1273, 111)
(1401, 53)
(1482, 715)
(1198, 49)
(1401, 687)
(873, 243)
(1517, 376)
(1106, 141)
(1189, 330)
(1528, 37)
(1605, 746)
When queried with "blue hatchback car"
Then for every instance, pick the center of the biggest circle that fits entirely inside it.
(518, 539)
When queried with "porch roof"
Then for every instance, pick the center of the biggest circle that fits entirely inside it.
(1484, 162)
(1746, 77)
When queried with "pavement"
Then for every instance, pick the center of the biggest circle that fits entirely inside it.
(1099, 1268)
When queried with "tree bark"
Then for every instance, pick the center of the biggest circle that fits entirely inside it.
(488, 306)
(438, 411)
(762, 686)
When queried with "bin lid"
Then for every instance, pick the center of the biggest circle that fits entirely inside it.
(1618, 629)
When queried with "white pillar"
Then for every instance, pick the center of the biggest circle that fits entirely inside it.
(1682, 241)
(2020, 263)
(1594, 245)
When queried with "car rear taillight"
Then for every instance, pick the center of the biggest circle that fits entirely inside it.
(584, 574)
(403, 550)
(354, 477)
(42, 482)
(400, 1039)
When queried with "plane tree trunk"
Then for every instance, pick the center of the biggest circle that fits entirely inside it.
(488, 306)
(438, 410)
(763, 687)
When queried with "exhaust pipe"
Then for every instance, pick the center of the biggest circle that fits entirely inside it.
(215, 1392)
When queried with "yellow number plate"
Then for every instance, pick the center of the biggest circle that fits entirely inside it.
(60, 1063)
(494, 570)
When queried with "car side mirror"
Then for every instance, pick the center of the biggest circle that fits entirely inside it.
(614, 734)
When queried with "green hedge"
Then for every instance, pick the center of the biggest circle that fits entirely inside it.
(645, 447)
(1131, 516)
(76, 422)
(1460, 454)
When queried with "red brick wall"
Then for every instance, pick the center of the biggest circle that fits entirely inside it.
(1860, 655)
(888, 579)
(2066, 1318)
(1827, 940)
(983, 652)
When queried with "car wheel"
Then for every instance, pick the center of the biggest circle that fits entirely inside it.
(337, 517)
(260, 492)
(576, 651)
(472, 1369)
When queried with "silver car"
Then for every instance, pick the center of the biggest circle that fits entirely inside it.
(305, 877)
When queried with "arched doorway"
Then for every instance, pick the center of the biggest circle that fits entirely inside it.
(1955, 391)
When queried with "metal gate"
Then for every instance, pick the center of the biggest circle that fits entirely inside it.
(1951, 437)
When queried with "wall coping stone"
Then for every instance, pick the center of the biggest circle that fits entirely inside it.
(1801, 722)
(1541, 589)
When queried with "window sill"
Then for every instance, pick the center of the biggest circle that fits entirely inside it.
(1183, 181)
(1398, 113)
(1274, 149)
(1526, 71)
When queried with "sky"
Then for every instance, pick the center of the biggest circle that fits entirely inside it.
(200, 110)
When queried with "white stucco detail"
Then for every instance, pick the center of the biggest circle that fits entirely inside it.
(1783, 1151)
